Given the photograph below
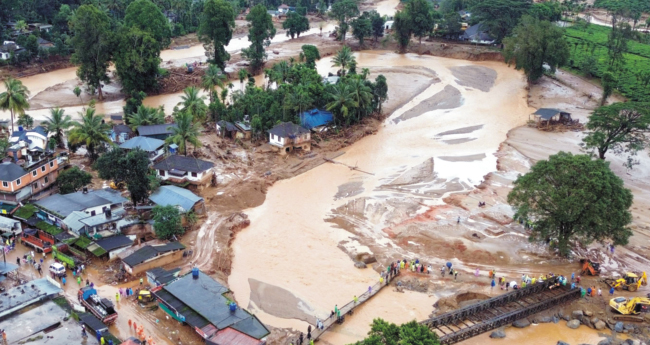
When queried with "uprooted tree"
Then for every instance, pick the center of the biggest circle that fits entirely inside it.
(572, 197)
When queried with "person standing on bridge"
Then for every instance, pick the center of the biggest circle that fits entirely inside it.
(355, 299)
(300, 339)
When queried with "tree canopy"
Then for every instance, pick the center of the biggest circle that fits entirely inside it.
(148, 17)
(421, 17)
(93, 42)
(572, 197)
(15, 98)
(137, 60)
(167, 221)
(90, 131)
(295, 24)
(402, 29)
(215, 30)
(130, 167)
(260, 34)
(500, 16)
(73, 180)
(343, 11)
(386, 333)
(620, 127)
(535, 43)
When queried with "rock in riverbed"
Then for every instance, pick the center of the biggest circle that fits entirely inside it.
(573, 324)
(498, 334)
(523, 323)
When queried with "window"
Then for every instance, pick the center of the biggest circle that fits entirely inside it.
(34, 173)
(46, 179)
(5, 184)
(43, 168)
(18, 182)
(92, 213)
(52, 164)
(35, 185)
(193, 174)
(161, 172)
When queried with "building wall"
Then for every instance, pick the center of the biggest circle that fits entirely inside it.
(276, 140)
(158, 261)
(98, 209)
(199, 178)
(36, 174)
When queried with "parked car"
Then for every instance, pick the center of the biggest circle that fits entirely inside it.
(57, 269)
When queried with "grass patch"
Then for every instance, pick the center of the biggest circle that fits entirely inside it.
(49, 228)
(588, 50)
(29, 340)
(26, 211)
(74, 315)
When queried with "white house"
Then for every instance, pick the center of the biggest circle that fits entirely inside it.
(288, 137)
(95, 202)
(31, 139)
(182, 169)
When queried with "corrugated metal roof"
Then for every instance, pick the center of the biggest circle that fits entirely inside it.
(183, 163)
(231, 336)
(156, 129)
(175, 196)
(72, 220)
(144, 143)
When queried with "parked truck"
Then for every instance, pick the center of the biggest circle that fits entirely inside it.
(63, 253)
(102, 308)
(34, 238)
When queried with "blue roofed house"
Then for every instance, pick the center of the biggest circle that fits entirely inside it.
(154, 147)
(315, 118)
(179, 197)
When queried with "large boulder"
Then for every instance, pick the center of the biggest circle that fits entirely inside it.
(556, 319)
(523, 323)
(606, 341)
(360, 264)
(588, 313)
(573, 324)
(618, 327)
(544, 319)
(560, 342)
(594, 320)
(498, 334)
(577, 315)
(566, 317)
(600, 325)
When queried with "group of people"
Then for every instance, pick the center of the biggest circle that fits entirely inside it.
(139, 329)
(301, 338)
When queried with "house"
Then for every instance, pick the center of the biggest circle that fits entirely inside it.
(288, 136)
(226, 129)
(284, 8)
(40, 26)
(465, 15)
(154, 147)
(332, 79)
(7, 48)
(243, 130)
(315, 118)
(117, 119)
(179, 197)
(159, 276)
(45, 44)
(57, 207)
(477, 34)
(149, 257)
(388, 26)
(30, 176)
(112, 245)
(121, 133)
(181, 170)
(35, 138)
(549, 115)
(10, 226)
(217, 319)
(156, 131)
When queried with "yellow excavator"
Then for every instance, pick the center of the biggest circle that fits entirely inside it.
(631, 281)
(630, 307)
(145, 296)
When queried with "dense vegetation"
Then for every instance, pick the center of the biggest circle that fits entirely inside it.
(386, 333)
(589, 54)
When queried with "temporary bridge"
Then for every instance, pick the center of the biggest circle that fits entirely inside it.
(484, 316)
(481, 317)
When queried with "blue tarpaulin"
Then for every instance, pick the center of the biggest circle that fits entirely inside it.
(315, 117)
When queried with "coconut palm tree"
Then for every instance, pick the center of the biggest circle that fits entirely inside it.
(211, 79)
(362, 94)
(146, 116)
(15, 98)
(91, 131)
(193, 103)
(343, 58)
(242, 74)
(185, 131)
(342, 101)
(57, 123)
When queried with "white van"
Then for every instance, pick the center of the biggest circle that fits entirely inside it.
(57, 269)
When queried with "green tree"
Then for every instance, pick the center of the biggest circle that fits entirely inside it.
(133, 102)
(535, 43)
(361, 27)
(215, 30)
(32, 45)
(341, 102)
(15, 98)
(617, 45)
(146, 16)
(212, 78)
(571, 197)
(93, 45)
(243, 75)
(420, 13)
(26, 121)
(402, 29)
(186, 131)
(381, 91)
(608, 81)
(57, 123)
(72, 180)
(77, 91)
(260, 34)
(137, 60)
(383, 332)
(310, 54)
(343, 59)
(500, 16)
(377, 22)
(91, 131)
(295, 24)
(130, 167)
(546, 11)
(146, 116)
(167, 221)
(620, 127)
(343, 11)
(450, 24)
(193, 103)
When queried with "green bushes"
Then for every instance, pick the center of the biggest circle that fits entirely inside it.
(588, 47)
